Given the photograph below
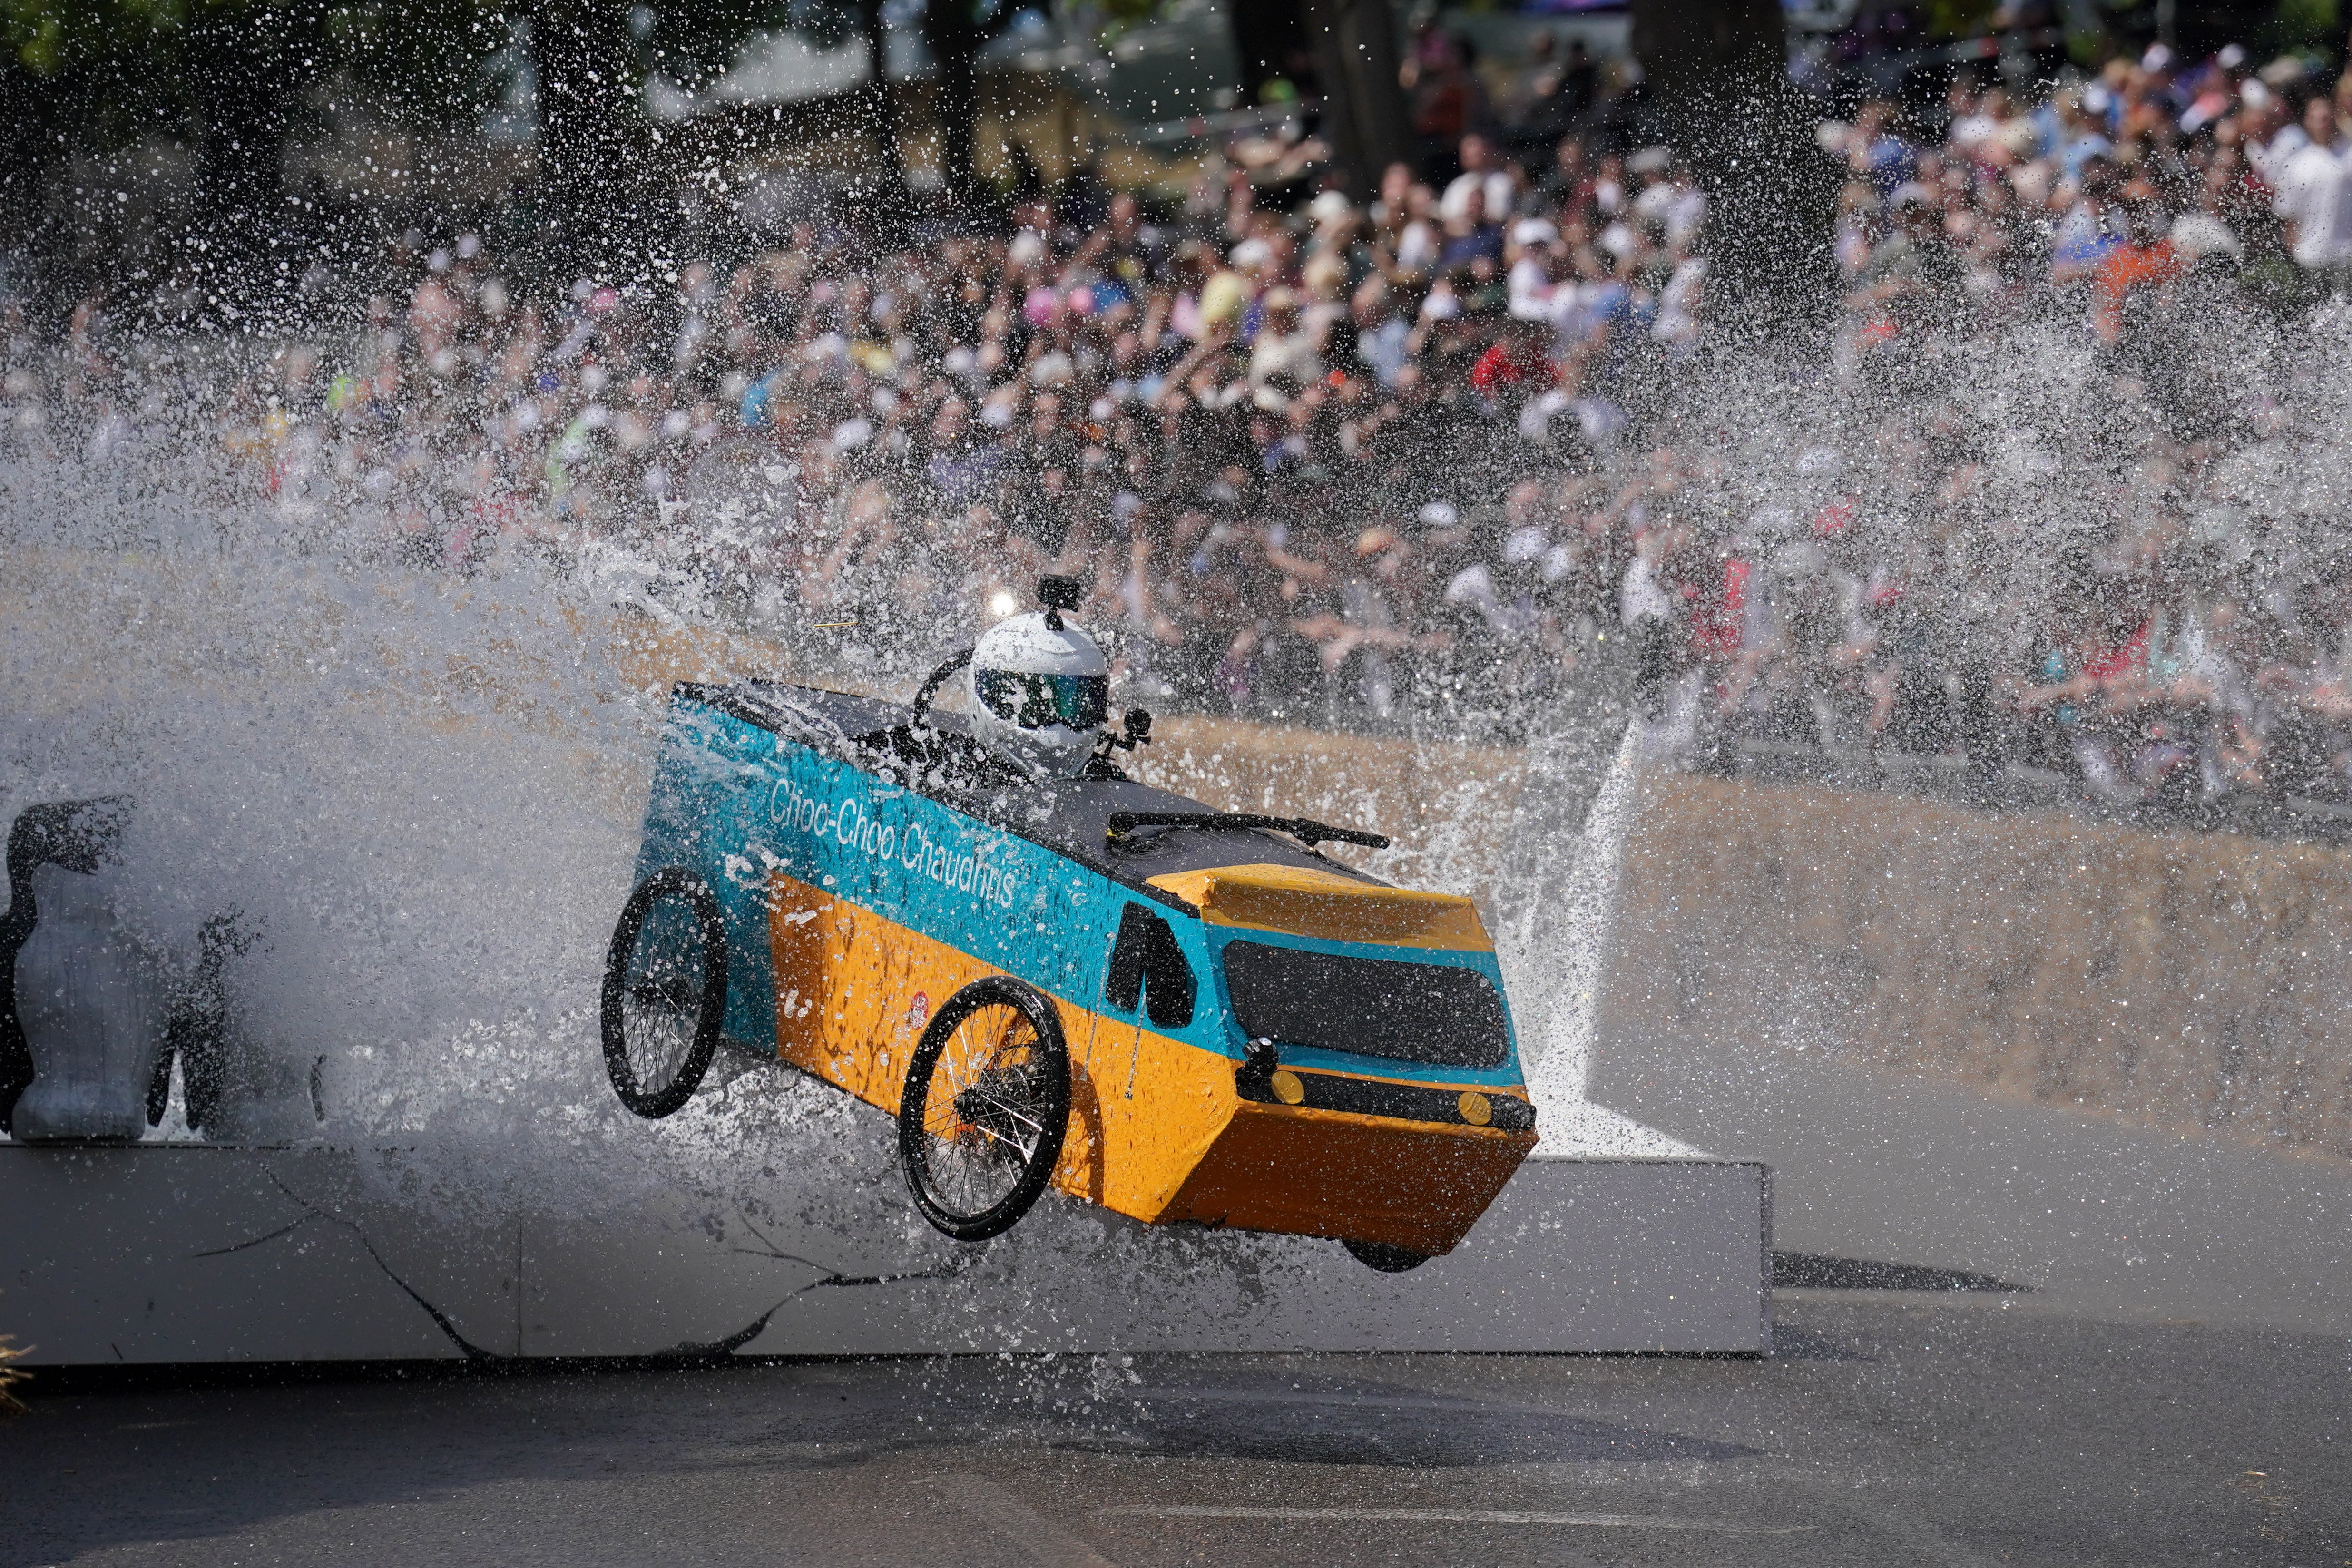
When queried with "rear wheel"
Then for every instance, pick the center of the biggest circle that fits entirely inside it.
(159, 1089)
(985, 1108)
(1388, 1260)
(665, 997)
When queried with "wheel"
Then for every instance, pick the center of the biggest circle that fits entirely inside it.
(1388, 1260)
(199, 1031)
(985, 1108)
(665, 992)
(203, 1075)
(159, 1090)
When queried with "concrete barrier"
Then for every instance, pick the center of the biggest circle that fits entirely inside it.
(2190, 980)
(2180, 979)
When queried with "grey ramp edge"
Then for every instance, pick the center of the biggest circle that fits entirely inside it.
(176, 1254)
(172, 1253)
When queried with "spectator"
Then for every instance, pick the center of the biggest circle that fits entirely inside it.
(1422, 460)
(2314, 196)
(1472, 235)
(1485, 190)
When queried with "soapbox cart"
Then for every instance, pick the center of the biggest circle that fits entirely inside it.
(1181, 1014)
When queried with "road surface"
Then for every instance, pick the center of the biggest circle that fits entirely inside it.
(1944, 1428)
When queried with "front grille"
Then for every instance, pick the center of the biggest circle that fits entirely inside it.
(1397, 1101)
(1446, 1014)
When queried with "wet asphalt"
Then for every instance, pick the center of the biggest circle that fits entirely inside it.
(2097, 1213)
(2149, 1362)
(1944, 1427)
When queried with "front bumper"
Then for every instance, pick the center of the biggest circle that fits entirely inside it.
(1305, 1170)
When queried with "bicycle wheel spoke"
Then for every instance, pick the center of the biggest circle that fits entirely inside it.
(662, 1002)
(1020, 1150)
(958, 1167)
(952, 1061)
(978, 1126)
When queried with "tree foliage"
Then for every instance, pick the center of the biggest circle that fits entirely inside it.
(234, 81)
(48, 37)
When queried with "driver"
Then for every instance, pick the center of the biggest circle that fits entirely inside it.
(1039, 687)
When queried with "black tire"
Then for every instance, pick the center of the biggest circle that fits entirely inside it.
(203, 1079)
(985, 1108)
(665, 999)
(159, 1090)
(1388, 1260)
(16, 1058)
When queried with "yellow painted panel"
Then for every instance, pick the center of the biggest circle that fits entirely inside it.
(1154, 1106)
(1157, 1129)
(854, 991)
(1304, 902)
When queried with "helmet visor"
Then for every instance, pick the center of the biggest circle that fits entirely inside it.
(1034, 700)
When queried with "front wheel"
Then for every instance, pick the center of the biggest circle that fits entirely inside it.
(665, 996)
(985, 1108)
(1388, 1260)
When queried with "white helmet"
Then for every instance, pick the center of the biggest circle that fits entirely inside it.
(1039, 687)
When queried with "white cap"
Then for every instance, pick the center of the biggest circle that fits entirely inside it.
(2196, 234)
(1524, 545)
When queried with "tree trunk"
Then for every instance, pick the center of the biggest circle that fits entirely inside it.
(1271, 36)
(593, 175)
(246, 67)
(1716, 76)
(955, 41)
(881, 111)
(30, 116)
(1363, 106)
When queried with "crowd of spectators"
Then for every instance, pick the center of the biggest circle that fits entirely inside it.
(1413, 464)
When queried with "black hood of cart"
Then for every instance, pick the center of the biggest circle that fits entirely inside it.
(941, 761)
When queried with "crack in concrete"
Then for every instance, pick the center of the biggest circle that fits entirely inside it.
(957, 1264)
(470, 1350)
(689, 1350)
(287, 1229)
(833, 1279)
(685, 1350)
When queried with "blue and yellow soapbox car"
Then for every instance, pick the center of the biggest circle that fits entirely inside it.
(1183, 1014)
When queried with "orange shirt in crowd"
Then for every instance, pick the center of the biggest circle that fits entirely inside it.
(2126, 268)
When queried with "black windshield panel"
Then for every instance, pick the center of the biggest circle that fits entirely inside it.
(1407, 1012)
